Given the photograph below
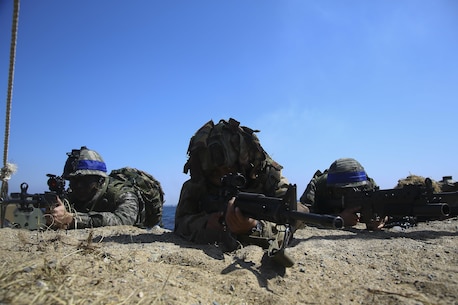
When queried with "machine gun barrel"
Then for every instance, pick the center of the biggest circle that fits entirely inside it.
(323, 220)
(433, 210)
(450, 198)
(275, 210)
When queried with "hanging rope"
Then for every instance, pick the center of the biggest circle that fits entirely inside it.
(8, 169)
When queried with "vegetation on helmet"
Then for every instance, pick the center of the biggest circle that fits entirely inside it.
(416, 180)
(225, 145)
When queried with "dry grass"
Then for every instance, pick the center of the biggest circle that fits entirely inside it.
(126, 265)
(63, 273)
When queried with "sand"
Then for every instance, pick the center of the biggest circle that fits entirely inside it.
(128, 265)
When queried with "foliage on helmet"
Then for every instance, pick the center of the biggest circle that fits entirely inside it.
(82, 162)
(416, 180)
(225, 144)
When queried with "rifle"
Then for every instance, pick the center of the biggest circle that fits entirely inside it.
(30, 208)
(418, 201)
(281, 211)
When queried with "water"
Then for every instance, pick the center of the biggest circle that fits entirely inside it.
(168, 216)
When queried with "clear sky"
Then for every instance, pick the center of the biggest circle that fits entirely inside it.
(133, 80)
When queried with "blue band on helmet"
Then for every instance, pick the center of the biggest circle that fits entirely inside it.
(92, 165)
(346, 177)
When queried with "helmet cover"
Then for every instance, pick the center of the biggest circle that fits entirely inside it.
(346, 172)
(83, 162)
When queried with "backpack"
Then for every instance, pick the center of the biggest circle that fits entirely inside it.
(149, 192)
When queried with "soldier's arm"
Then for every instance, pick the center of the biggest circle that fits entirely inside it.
(191, 222)
(126, 213)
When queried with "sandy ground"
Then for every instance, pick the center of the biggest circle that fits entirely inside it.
(127, 265)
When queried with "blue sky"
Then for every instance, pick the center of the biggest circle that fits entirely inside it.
(133, 80)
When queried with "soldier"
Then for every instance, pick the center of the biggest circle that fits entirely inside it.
(95, 199)
(343, 175)
(418, 180)
(215, 151)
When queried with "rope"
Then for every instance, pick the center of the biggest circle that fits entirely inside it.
(8, 169)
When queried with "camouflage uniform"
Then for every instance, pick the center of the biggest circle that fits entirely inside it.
(191, 219)
(262, 173)
(321, 189)
(115, 202)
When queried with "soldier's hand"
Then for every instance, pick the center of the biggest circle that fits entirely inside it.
(61, 217)
(350, 216)
(376, 224)
(236, 222)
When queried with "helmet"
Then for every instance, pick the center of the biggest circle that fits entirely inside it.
(418, 180)
(346, 172)
(225, 144)
(82, 162)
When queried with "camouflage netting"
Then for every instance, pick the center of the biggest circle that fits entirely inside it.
(416, 180)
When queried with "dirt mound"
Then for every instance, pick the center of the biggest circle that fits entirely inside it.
(128, 265)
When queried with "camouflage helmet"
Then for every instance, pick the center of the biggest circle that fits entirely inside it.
(346, 172)
(417, 180)
(82, 162)
(224, 144)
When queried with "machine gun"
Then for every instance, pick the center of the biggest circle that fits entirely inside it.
(30, 208)
(282, 211)
(417, 201)
(448, 198)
